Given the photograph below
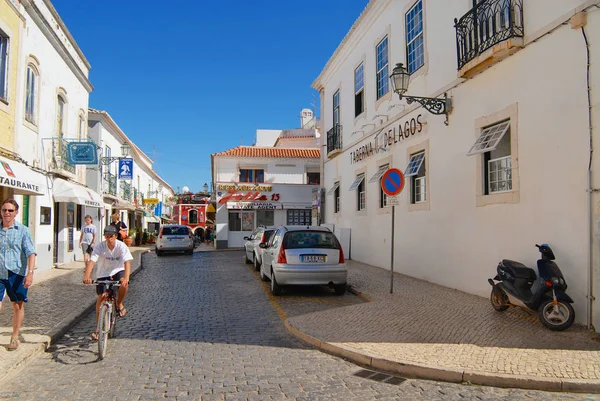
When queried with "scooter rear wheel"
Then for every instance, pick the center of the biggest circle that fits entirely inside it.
(497, 298)
(557, 319)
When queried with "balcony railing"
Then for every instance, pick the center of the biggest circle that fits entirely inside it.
(488, 23)
(334, 139)
(110, 184)
(60, 158)
(126, 191)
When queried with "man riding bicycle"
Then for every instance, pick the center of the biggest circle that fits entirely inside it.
(113, 258)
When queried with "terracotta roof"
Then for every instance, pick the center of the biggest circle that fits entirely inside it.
(253, 151)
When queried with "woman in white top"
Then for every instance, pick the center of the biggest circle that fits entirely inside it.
(87, 240)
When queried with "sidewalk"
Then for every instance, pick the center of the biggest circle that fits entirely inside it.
(57, 299)
(427, 331)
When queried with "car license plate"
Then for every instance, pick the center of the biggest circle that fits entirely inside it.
(313, 258)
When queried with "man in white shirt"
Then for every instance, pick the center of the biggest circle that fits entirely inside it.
(114, 263)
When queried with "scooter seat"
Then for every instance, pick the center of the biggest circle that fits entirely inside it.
(519, 270)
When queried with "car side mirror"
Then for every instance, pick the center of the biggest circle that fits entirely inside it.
(263, 245)
(247, 238)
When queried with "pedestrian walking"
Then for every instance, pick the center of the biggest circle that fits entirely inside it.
(17, 262)
(120, 226)
(207, 234)
(87, 239)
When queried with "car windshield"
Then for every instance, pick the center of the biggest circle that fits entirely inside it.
(310, 239)
(175, 231)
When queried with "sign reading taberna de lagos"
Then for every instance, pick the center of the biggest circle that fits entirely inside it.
(82, 153)
(126, 168)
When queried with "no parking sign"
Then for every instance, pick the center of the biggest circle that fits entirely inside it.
(392, 182)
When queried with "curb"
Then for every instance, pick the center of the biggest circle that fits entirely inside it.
(415, 371)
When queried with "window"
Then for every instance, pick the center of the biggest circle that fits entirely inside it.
(193, 217)
(31, 94)
(45, 215)
(494, 143)
(382, 68)
(255, 176)
(241, 221)
(415, 50)
(313, 178)
(359, 93)
(336, 108)
(359, 186)
(299, 217)
(3, 66)
(377, 178)
(79, 215)
(415, 171)
(60, 117)
(81, 129)
(265, 217)
(335, 190)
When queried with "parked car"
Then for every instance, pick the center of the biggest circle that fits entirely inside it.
(174, 238)
(254, 253)
(301, 255)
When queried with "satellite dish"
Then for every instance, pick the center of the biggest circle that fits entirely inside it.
(185, 190)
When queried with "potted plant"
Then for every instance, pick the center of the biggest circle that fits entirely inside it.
(145, 237)
(130, 238)
(138, 237)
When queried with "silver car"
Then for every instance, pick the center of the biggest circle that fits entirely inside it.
(253, 251)
(301, 255)
(174, 238)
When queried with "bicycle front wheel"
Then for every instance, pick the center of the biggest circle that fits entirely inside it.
(103, 329)
(113, 322)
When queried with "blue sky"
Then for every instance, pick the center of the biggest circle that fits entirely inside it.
(187, 78)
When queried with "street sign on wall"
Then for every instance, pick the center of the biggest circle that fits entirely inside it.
(392, 182)
(82, 153)
(126, 168)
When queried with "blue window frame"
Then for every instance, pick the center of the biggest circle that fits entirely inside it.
(382, 68)
(255, 176)
(415, 48)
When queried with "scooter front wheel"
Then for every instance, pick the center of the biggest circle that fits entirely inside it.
(556, 317)
(498, 299)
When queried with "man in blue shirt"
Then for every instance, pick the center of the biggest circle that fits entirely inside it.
(17, 261)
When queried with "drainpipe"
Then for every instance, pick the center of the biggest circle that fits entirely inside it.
(590, 190)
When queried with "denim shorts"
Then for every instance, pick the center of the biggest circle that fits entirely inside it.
(14, 288)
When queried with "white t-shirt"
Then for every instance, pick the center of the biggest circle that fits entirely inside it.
(88, 234)
(110, 262)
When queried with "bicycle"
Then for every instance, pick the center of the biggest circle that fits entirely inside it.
(107, 315)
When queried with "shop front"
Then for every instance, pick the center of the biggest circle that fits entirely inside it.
(242, 208)
(72, 202)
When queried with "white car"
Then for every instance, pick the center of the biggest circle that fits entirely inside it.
(174, 238)
(254, 253)
(301, 255)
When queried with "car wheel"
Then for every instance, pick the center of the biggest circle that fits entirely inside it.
(340, 289)
(256, 263)
(263, 276)
(275, 287)
(159, 253)
(190, 252)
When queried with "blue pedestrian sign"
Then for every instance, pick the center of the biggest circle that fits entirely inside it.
(126, 168)
(392, 182)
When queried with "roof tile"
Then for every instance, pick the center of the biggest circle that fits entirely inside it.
(253, 151)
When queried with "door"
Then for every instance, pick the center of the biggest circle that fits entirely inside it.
(55, 244)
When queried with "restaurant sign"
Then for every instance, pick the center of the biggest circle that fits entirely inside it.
(254, 205)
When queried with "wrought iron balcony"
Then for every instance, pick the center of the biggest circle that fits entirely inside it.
(125, 191)
(59, 162)
(488, 23)
(334, 139)
(110, 184)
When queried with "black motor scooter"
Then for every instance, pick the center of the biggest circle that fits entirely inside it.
(519, 286)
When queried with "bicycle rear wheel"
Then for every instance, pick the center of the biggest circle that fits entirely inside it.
(103, 329)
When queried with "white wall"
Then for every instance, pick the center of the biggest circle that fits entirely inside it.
(455, 242)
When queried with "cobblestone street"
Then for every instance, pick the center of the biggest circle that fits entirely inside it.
(205, 328)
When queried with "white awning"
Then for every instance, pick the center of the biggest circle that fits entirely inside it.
(66, 191)
(118, 203)
(152, 219)
(22, 179)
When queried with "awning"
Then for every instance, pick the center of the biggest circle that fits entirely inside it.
(118, 203)
(22, 179)
(152, 219)
(66, 191)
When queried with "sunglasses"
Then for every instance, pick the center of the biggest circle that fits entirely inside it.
(8, 210)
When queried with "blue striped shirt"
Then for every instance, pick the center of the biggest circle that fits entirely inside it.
(16, 245)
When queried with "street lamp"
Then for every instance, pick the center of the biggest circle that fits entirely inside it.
(400, 79)
(125, 148)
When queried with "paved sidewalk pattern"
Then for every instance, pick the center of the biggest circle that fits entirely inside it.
(428, 331)
(57, 299)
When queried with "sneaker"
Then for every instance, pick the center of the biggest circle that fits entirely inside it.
(14, 344)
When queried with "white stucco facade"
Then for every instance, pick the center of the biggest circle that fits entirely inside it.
(457, 233)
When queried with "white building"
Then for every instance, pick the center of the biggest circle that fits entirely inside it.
(272, 183)
(141, 199)
(518, 74)
(53, 98)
